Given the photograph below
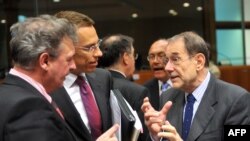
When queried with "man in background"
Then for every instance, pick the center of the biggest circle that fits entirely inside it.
(84, 99)
(42, 50)
(119, 58)
(160, 82)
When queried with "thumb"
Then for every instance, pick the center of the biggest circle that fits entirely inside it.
(112, 130)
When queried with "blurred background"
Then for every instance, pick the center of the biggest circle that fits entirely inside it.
(225, 24)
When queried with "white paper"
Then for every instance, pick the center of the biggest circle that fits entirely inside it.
(116, 113)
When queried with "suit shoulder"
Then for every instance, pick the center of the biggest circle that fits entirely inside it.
(151, 82)
(102, 71)
(128, 84)
(229, 88)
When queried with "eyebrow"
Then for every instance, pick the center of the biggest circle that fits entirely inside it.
(153, 53)
(175, 54)
(88, 45)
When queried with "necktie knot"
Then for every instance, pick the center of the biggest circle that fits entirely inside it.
(164, 86)
(80, 80)
(190, 98)
(84, 87)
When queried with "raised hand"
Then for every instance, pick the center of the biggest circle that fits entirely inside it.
(154, 119)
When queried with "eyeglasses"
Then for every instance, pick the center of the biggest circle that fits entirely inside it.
(135, 56)
(175, 60)
(158, 56)
(91, 48)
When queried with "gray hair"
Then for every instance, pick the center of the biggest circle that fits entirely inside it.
(37, 35)
(193, 44)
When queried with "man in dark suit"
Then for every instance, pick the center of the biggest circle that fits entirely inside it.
(69, 98)
(156, 55)
(42, 50)
(199, 105)
(119, 58)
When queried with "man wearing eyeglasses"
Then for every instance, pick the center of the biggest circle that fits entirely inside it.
(160, 82)
(200, 104)
(119, 58)
(84, 99)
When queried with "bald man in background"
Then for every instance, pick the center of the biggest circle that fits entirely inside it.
(155, 58)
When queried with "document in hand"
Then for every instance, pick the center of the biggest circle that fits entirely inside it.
(124, 115)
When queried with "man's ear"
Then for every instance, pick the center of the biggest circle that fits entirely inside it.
(125, 58)
(44, 61)
(200, 61)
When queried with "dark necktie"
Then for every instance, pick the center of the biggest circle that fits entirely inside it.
(188, 116)
(91, 108)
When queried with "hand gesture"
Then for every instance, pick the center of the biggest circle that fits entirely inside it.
(154, 119)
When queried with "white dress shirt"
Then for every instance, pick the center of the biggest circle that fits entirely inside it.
(73, 91)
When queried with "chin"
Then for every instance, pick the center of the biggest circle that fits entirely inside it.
(91, 70)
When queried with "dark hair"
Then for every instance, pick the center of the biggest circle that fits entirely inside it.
(113, 47)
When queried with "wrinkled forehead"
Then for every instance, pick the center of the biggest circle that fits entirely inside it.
(176, 47)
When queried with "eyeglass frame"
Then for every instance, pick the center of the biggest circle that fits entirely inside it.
(136, 56)
(91, 48)
(177, 60)
(158, 56)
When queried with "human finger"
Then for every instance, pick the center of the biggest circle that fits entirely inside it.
(166, 107)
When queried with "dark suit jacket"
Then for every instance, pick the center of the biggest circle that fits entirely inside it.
(153, 88)
(101, 84)
(222, 104)
(133, 93)
(27, 116)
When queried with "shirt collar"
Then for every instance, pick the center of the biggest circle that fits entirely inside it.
(200, 90)
(169, 82)
(71, 78)
(32, 82)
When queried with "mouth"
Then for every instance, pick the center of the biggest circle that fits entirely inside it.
(158, 69)
(95, 63)
(173, 78)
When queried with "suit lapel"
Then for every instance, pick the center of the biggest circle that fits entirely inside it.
(14, 80)
(175, 115)
(70, 113)
(155, 95)
(204, 113)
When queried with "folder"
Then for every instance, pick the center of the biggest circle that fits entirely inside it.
(124, 115)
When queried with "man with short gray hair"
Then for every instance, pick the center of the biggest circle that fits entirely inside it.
(42, 50)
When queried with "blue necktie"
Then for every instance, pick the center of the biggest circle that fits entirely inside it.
(188, 116)
(164, 87)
